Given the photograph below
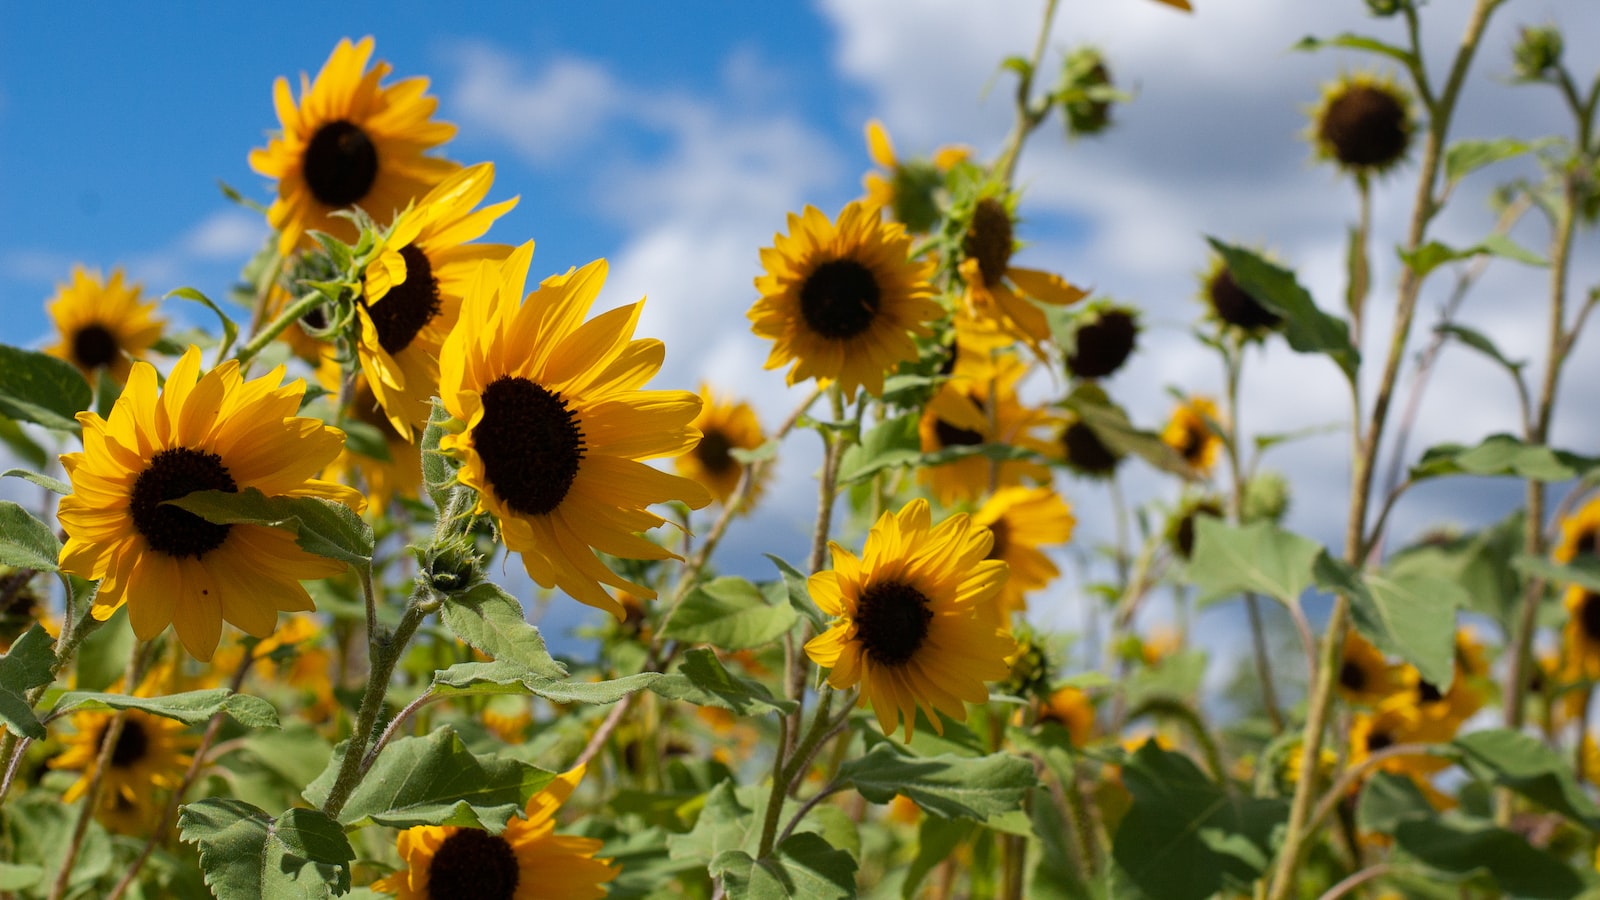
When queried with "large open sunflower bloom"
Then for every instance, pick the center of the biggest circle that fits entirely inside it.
(412, 292)
(526, 861)
(211, 432)
(102, 323)
(1025, 520)
(1190, 433)
(959, 415)
(998, 294)
(554, 425)
(350, 142)
(913, 618)
(724, 425)
(906, 189)
(151, 754)
(842, 300)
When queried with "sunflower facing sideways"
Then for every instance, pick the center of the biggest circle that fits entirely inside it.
(1024, 520)
(1191, 434)
(912, 618)
(960, 415)
(724, 425)
(412, 292)
(526, 861)
(171, 567)
(998, 293)
(102, 323)
(842, 300)
(350, 142)
(551, 425)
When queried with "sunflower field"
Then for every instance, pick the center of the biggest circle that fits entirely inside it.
(266, 632)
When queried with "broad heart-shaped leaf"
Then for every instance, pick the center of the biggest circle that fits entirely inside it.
(730, 613)
(805, 866)
(794, 585)
(1387, 800)
(884, 446)
(1306, 328)
(1259, 557)
(724, 824)
(245, 852)
(1411, 616)
(1465, 157)
(491, 620)
(1532, 769)
(189, 707)
(26, 542)
(1185, 837)
(1502, 454)
(1458, 845)
(320, 526)
(39, 388)
(1480, 562)
(946, 785)
(53, 485)
(501, 677)
(433, 780)
(703, 681)
(24, 667)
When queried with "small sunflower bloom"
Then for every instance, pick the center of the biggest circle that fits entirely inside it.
(350, 142)
(1363, 124)
(1580, 636)
(526, 861)
(554, 425)
(960, 415)
(1580, 533)
(201, 432)
(1000, 295)
(101, 324)
(907, 189)
(151, 754)
(842, 300)
(1072, 709)
(725, 425)
(910, 623)
(1024, 521)
(1190, 432)
(1366, 677)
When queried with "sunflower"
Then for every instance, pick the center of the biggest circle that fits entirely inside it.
(1190, 432)
(1072, 709)
(1231, 305)
(1362, 124)
(998, 293)
(211, 432)
(21, 606)
(102, 323)
(841, 300)
(1084, 452)
(551, 425)
(1580, 636)
(527, 860)
(1103, 341)
(724, 425)
(1025, 520)
(151, 754)
(910, 623)
(907, 189)
(1579, 533)
(1181, 526)
(1390, 724)
(398, 476)
(412, 291)
(1365, 676)
(960, 415)
(350, 142)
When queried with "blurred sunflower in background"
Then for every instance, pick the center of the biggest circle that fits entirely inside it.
(912, 618)
(908, 190)
(1024, 521)
(979, 405)
(101, 325)
(350, 142)
(999, 296)
(1363, 124)
(1071, 708)
(842, 300)
(1231, 305)
(725, 425)
(1190, 433)
(1366, 677)
(1580, 533)
(382, 462)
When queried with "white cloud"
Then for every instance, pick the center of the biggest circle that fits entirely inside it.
(545, 117)
(228, 234)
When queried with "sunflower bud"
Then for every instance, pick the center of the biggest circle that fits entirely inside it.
(1383, 9)
(1266, 496)
(1103, 342)
(452, 567)
(1537, 55)
(1086, 92)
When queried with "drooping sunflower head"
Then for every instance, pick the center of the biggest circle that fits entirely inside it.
(1181, 527)
(1228, 303)
(1083, 450)
(725, 425)
(1000, 297)
(349, 142)
(1103, 341)
(200, 432)
(1363, 124)
(1025, 521)
(526, 861)
(1190, 432)
(101, 324)
(150, 756)
(553, 425)
(908, 190)
(842, 300)
(910, 623)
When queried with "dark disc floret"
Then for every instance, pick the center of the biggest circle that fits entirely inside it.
(340, 164)
(175, 473)
(1103, 344)
(530, 443)
(1086, 452)
(990, 240)
(409, 306)
(132, 744)
(473, 864)
(1352, 677)
(1365, 126)
(1589, 615)
(840, 299)
(713, 452)
(1378, 740)
(1428, 692)
(94, 346)
(1002, 538)
(892, 622)
(1235, 306)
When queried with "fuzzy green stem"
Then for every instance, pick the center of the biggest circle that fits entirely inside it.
(786, 769)
(1029, 116)
(291, 314)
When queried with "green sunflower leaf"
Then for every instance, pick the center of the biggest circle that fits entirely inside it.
(53, 485)
(491, 620)
(26, 542)
(937, 839)
(433, 780)
(1503, 455)
(1259, 557)
(188, 707)
(804, 866)
(1114, 429)
(799, 594)
(1434, 254)
(438, 470)
(323, 527)
(729, 613)
(1467, 156)
(723, 824)
(12, 435)
(703, 681)
(230, 328)
(949, 786)
(15, 877)
(1480, 342)
(1531, 768)
(1387, 800)
(886, 445)
(39, 388)
(1306, 327)
(27, 665)
(1583, 571)
(1350, 41)
(245, 852)
(1410, 615)
(500, 677)
(1456, 845)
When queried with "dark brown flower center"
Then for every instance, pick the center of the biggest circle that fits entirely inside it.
(1186, 526)
(408, 306)
(1103, 345)
(1086, 452)
(990, 240)
(132, 743)
(340, 164)
(1352, 677)
(1365, 126)
(954, 435)
(840, 298)
(1235, 306)
(94, 346)
(1192, 443)
(1377, 740)
(892, 621)
(1428, 692)
(530, 444)
(1585, 544)
(172, 474)
(1589, 615)
(1002, 538)
(473, 864)
(712, 452)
